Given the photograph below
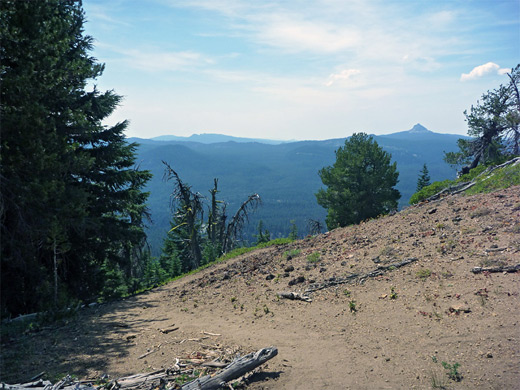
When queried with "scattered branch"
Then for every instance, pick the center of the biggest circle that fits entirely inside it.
(512, 268)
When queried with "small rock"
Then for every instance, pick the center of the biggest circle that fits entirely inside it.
(489, 355)
(299, 279)
(269, 277)
(289, 268)
(432, 211)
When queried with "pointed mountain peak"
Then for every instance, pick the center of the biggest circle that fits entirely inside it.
(418, 128)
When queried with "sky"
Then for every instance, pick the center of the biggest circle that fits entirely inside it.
(295, 70)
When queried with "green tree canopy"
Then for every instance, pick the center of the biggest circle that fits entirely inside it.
(72, 209)
(359, 184)
(493, 125)
(424, 178)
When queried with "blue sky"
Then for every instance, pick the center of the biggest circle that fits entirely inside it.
(300, 69)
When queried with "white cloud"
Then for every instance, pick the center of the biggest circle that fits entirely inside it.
(301, 35)
(157, 61)
(482, 70)
(342, 77)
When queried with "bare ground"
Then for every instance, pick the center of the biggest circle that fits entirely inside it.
(391, 331)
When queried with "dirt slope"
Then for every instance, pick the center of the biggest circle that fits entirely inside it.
(405, 324)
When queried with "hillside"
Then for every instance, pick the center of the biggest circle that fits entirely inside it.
(285, 175)
(386, 331)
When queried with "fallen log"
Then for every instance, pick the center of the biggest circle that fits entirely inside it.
(294, 296)
(511, 268)
(357, 277)
(160, 378)
(235, 370)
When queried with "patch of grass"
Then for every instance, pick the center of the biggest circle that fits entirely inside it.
(480, 213)
(291, 253)
(393, 293)
(352, 306)
(503, 178)
(424, 273)
(437, 381)
(453, 372)
(313, 257)
(347, 293)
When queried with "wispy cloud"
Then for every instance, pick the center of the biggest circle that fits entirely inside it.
(293, 35)
(162, 61)
(483, 70)
(342, 77)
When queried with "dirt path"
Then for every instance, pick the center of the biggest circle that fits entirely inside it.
(390, 332)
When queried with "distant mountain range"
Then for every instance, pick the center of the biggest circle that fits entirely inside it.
(210, 138)
(285, 174)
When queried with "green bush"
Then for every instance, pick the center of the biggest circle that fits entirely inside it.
(503, 178)
(313, 257)
(430, 190)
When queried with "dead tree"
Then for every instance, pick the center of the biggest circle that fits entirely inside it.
(189, 211)
(234, 229)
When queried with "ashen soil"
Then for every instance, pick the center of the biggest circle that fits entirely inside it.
(392, 331)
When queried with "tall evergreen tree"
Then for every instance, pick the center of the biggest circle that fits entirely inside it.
(71, 198)
(424, 178)
(359, 184)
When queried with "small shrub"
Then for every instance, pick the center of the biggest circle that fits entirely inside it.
(292, 253)
(393, 293)
(430, 190)
(313, 257)
(352, 306)
(453, 372)
(424, 273)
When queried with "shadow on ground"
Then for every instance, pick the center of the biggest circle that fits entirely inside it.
(80, 346)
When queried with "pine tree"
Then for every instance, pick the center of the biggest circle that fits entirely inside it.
(424, 178)
(359, 184)
(493, 125)
(72, 202)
